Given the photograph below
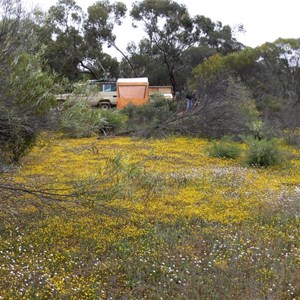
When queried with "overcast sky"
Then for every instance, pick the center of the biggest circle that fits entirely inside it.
(263, 20)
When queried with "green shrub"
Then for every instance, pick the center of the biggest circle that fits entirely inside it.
(225, 148)
(17, 137)
(264, 153)
(114, 121)
(80, 120)
(150, 119)
(292, 138)
(26, 100)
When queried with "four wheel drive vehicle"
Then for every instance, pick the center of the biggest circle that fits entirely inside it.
(110, 93)
(98, 93)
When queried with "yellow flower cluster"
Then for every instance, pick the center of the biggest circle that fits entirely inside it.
(113, 200)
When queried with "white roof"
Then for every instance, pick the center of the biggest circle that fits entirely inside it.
(140, 79)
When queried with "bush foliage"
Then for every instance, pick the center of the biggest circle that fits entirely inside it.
(150, 119)
(26, 100)
(225, 148)
(264, 153)
(81, 120)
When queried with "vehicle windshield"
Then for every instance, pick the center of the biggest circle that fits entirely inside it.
(109, 87)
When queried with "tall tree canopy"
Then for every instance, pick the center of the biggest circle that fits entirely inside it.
(172, 31)
(63, 29)
(70, 48)
(101, 20)
(271, 72)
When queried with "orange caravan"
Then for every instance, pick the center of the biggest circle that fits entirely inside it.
(132, 90)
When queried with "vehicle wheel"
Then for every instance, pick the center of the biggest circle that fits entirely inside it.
(105, 106)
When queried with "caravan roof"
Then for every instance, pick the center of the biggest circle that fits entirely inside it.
(133, 80)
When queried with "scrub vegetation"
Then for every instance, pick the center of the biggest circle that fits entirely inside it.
(161, 201)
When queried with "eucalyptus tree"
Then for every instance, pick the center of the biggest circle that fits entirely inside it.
(282, 60)
(67, 49)
(217, 36)
(172, 31)
(145, 63)
(101, 20)
(280, 65)
(270, 72)
(60, 31)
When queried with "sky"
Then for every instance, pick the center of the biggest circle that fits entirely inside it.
(263, 20)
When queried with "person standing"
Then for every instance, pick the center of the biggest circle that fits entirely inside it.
(189, 102)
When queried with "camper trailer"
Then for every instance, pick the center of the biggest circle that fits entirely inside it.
(110, 93)
(132, 91)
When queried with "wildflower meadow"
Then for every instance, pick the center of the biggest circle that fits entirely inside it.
(125, 218)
